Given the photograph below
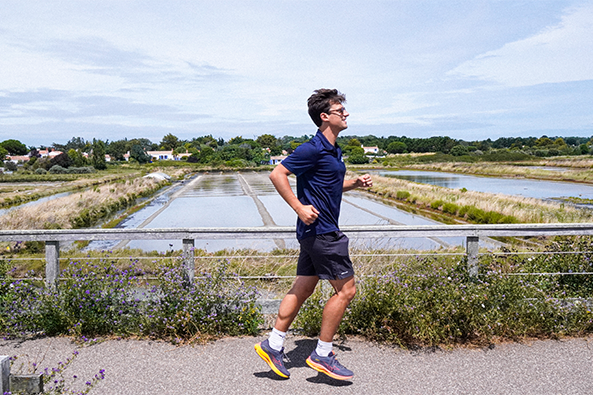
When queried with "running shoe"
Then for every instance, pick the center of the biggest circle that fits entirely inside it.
(329, 365)
(273, 358)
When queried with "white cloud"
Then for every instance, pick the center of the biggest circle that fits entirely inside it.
(23, 70)
(561, 53)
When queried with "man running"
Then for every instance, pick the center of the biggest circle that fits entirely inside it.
(320, 172)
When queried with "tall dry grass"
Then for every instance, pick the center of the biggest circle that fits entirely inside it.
(527, 210)
(20, 192)
(577, 171)
(59, 212)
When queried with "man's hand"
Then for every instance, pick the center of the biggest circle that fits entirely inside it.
(308, 214)
(364, 181)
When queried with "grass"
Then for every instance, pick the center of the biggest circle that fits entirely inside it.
(79, 209)
(478, 207)
(15, 193)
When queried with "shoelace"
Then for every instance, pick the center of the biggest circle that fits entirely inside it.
(334, 362)
(284, 356)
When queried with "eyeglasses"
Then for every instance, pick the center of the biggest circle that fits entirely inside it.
(339, 111)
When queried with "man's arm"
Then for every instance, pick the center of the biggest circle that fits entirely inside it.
(279, 177)
(360, 182)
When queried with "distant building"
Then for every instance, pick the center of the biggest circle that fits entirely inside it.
(161, 155)
(371, 150)
(46, 153)
(17, 158)
(166, 155)
(274, 160)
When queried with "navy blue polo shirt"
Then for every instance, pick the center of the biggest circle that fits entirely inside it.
(320, 172)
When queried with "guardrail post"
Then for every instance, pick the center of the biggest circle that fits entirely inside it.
(4, 374)
(472, 248)
(189, 264)
(52, 263)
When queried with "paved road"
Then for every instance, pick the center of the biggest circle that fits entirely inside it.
(230, 366)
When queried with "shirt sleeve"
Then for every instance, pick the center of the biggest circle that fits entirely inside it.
(302, 159)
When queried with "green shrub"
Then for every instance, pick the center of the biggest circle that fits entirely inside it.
(435, 304)
(436, 204)
(463, 210)
(402, 195)
(450, 208)
(104, 300)
(475, 214)
(57, 169)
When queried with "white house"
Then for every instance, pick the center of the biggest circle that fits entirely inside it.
(371, 150)
(274, 160)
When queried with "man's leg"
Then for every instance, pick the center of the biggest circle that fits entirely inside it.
(323, 358)
(336, 306)
(272, 349)
(302, 288)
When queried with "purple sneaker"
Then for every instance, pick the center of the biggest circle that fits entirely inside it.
(273, 358)
(329, 365)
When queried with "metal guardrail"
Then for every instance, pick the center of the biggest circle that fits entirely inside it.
(472, 233)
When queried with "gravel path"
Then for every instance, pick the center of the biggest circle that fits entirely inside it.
(231, 366)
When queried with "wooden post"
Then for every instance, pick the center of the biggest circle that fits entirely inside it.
(188, 261)
(472, 248)
(52, 263)
(4, 374)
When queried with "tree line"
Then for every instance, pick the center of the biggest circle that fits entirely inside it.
(238, 151)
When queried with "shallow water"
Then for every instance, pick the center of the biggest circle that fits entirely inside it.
(528, 188)
(229, 200)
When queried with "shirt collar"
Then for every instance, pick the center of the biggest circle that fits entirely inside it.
(326, 144)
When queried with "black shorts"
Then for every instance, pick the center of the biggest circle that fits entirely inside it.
(325, 256)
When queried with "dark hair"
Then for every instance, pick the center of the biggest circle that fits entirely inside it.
(321, 101)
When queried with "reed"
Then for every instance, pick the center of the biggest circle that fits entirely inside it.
(61, 212)
(12, 194)
(524, 209)
(575, 171)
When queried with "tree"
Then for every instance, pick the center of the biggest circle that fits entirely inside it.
(76, 143)
(145, 144)
(357, 156)
(267, 141)
(544, 141)
(270, 142)
(138, 154)
(98, 155)
(11, 166)
(354, 142)
(206, 154)
(76, 157)
(169, 142)
(459, 150)
(3, 153)
(117, 149)
(14, 147)
(236, 140)
(397, 147)
(62, 160)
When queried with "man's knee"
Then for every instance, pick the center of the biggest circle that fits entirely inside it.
(349, 292)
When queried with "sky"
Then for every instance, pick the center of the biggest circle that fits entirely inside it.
(468, 69)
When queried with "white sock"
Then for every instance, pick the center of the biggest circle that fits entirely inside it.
(276, 339)
(323, 348)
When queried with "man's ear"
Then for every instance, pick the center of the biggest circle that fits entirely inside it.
(324, 117)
